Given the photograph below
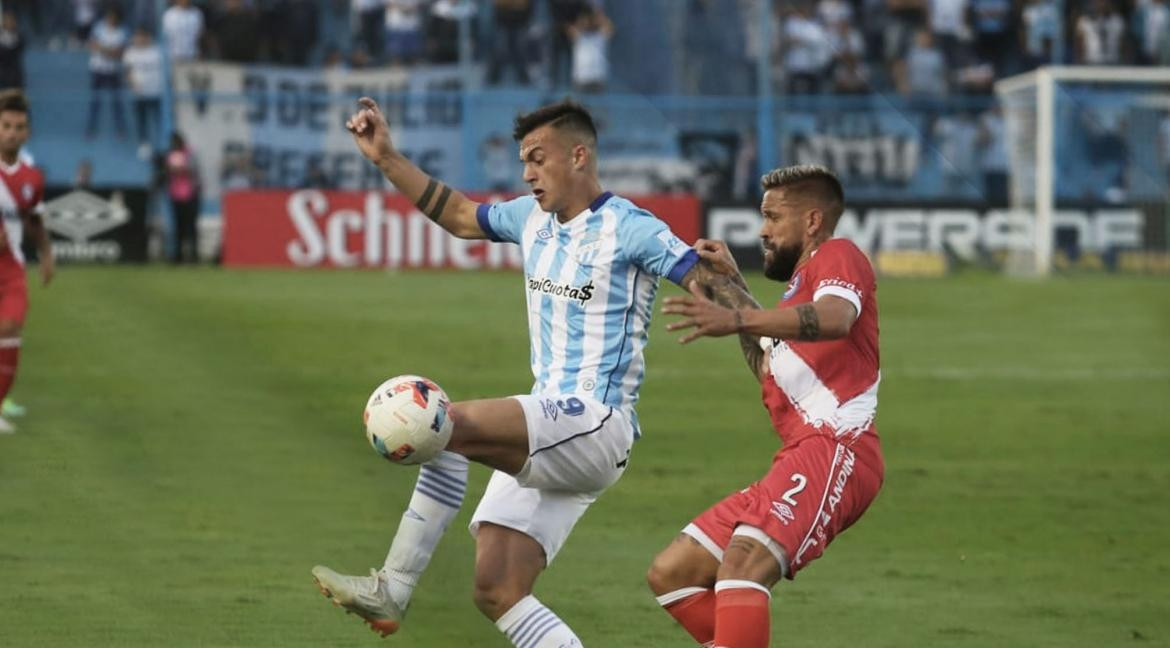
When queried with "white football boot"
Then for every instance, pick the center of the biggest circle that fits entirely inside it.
(365, 596)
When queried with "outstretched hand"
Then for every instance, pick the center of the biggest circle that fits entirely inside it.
(703, 315)
(370, 131)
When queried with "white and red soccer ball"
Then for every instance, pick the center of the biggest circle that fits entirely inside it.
(406, 420)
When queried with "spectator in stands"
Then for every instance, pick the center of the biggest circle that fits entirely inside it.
(11, 52)
(994, 32)
(85, 14)
(297, 30)
(834, 12)
(404, 30)
(902, 19)
(509, 31)
(844, 40)
(993, 157)
(1099, 35)
(107, 41)
(442, 29)
(948, 23)
(590, 37)
(1152, 25)
(234, 33)
(182, 184)
(850, 75)
(1103, 127)
(144, 70)
(972, 75)
(563, 14)
(371, 25)
(183, 25)
(806, 51)
(923, 74)
(1042, 27)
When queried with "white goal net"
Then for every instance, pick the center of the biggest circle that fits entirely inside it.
(1089, 153)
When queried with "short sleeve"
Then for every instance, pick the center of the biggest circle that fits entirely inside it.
(504, 221)
(842, 270)
(654, 248)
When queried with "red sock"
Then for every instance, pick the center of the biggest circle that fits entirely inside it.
(741, 615)
(695, 612)
(9, 358)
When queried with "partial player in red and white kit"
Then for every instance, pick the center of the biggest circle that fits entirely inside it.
(816, 356)
(22, 189)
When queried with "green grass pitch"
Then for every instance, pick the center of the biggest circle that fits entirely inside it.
(193, 446)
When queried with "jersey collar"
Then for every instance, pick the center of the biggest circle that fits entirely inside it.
(600, 200)
(578, 220)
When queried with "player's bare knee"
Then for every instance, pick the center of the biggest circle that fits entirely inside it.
(682, 564)
(494, 598)
(662, 576)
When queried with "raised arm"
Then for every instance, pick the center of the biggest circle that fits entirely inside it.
(452, 210)
(718, 279)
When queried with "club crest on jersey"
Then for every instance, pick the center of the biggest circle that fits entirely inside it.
(27, 191)
(793, 286)
(589, 248)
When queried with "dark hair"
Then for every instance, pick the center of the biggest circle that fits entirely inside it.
(566, 115)
(13, 101)
(813, 180)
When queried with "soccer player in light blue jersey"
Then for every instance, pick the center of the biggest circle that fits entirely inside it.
(592, 261)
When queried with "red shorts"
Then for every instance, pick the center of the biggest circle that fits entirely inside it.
(13, 294)
(815, 490)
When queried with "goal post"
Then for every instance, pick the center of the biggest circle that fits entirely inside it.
(1086, 137)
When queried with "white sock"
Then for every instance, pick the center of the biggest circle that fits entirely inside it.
(438, 494)
(531, 625)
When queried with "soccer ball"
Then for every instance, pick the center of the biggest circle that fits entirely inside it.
(406, 420)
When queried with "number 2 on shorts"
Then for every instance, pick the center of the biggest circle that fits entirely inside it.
(800, 481)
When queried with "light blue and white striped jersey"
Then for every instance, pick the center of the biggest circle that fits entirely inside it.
(590, 286)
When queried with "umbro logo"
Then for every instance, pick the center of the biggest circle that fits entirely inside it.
(81, 215)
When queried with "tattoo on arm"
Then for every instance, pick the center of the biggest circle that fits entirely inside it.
(440, 204)
(810, 323)
(732, 292)
(425, 198)
(436, 210)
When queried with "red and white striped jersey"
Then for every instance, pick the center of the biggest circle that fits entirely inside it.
(22, 190)
(830, 387)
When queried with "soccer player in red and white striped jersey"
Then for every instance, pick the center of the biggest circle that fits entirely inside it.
(22, 188)
(816, 357)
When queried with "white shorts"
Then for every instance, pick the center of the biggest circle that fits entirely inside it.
(577, 448)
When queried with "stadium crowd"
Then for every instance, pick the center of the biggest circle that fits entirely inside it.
(943, 56)
(919, 47)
